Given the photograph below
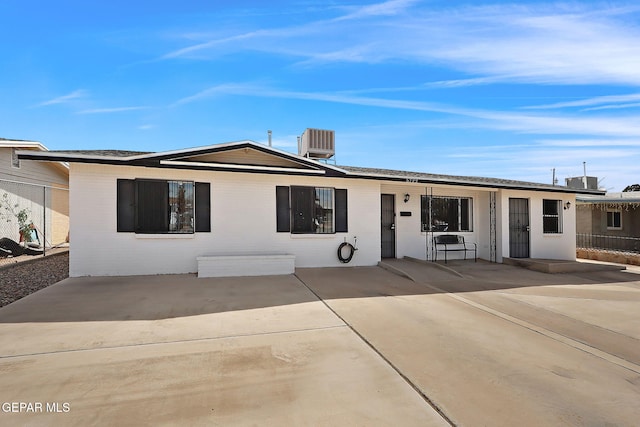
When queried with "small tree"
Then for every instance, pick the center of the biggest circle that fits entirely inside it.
(10, 211)
(632, 187)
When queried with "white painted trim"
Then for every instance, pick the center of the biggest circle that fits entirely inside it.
(165, 236)
(236, 166)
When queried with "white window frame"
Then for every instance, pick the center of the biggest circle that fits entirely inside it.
(614, 211)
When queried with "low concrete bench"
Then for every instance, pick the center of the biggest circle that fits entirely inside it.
(453, 243)
(253, 264)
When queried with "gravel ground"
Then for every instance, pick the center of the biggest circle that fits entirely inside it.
(24, 278)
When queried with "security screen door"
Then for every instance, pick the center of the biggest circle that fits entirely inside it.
(519, 228)
(387, 225)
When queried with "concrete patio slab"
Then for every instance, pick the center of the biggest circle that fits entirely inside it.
(177, 350)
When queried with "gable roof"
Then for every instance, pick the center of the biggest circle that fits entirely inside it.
(250, 156)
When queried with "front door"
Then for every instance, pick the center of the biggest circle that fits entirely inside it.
(388, 225)
(519, 228)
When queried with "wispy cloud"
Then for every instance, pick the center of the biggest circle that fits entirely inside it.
(310, 39)
(386, 9)
(65, 98)
(573, 143)
(577, 43)
(110, 110)
(498, 120)
(464, 82)
(193, 49)
(598, 100)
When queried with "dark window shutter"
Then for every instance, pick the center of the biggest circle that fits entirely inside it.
(302, 209)
(283, 220)
(342, 225)
(152, 206)
(203, 207)
(126, 196)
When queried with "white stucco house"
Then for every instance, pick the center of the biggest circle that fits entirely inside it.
(138, 213)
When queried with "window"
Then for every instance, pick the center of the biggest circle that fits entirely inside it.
(311, 210)
(446, 213)
(551, 218)
(15, 161)
(157, 206)
(614, 220)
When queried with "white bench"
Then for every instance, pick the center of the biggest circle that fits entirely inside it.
(251, 264)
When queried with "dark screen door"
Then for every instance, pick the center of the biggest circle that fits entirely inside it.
(388, 226)
(519, 228)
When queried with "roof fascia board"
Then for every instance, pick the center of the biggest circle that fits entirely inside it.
(60, 163)
(22, 144)
(71, 157)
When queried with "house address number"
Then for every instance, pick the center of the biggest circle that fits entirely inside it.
(412, 179)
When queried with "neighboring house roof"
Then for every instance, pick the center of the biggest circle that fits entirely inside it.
(30, 146)
(615, 200)
(249, 156)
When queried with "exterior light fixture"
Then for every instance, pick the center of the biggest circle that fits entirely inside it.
(567, 205)
(407, 197)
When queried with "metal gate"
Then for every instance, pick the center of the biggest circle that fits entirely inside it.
(519, 228)
(388, 226)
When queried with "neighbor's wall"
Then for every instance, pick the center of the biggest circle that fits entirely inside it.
(59, 216)
(243, 219)
(25, 186)
(630, 218)
(584, 219)
(551, 246)
(30, 171)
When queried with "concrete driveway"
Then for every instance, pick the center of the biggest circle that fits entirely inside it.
(483, 344)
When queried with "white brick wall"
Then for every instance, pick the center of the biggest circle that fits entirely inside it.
(243, 219)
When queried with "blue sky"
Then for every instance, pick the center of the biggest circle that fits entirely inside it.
(509, 90)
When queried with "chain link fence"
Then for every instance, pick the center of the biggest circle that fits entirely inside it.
(34, 220)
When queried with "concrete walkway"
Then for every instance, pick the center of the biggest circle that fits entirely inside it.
(471, 344)
(497, 345)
